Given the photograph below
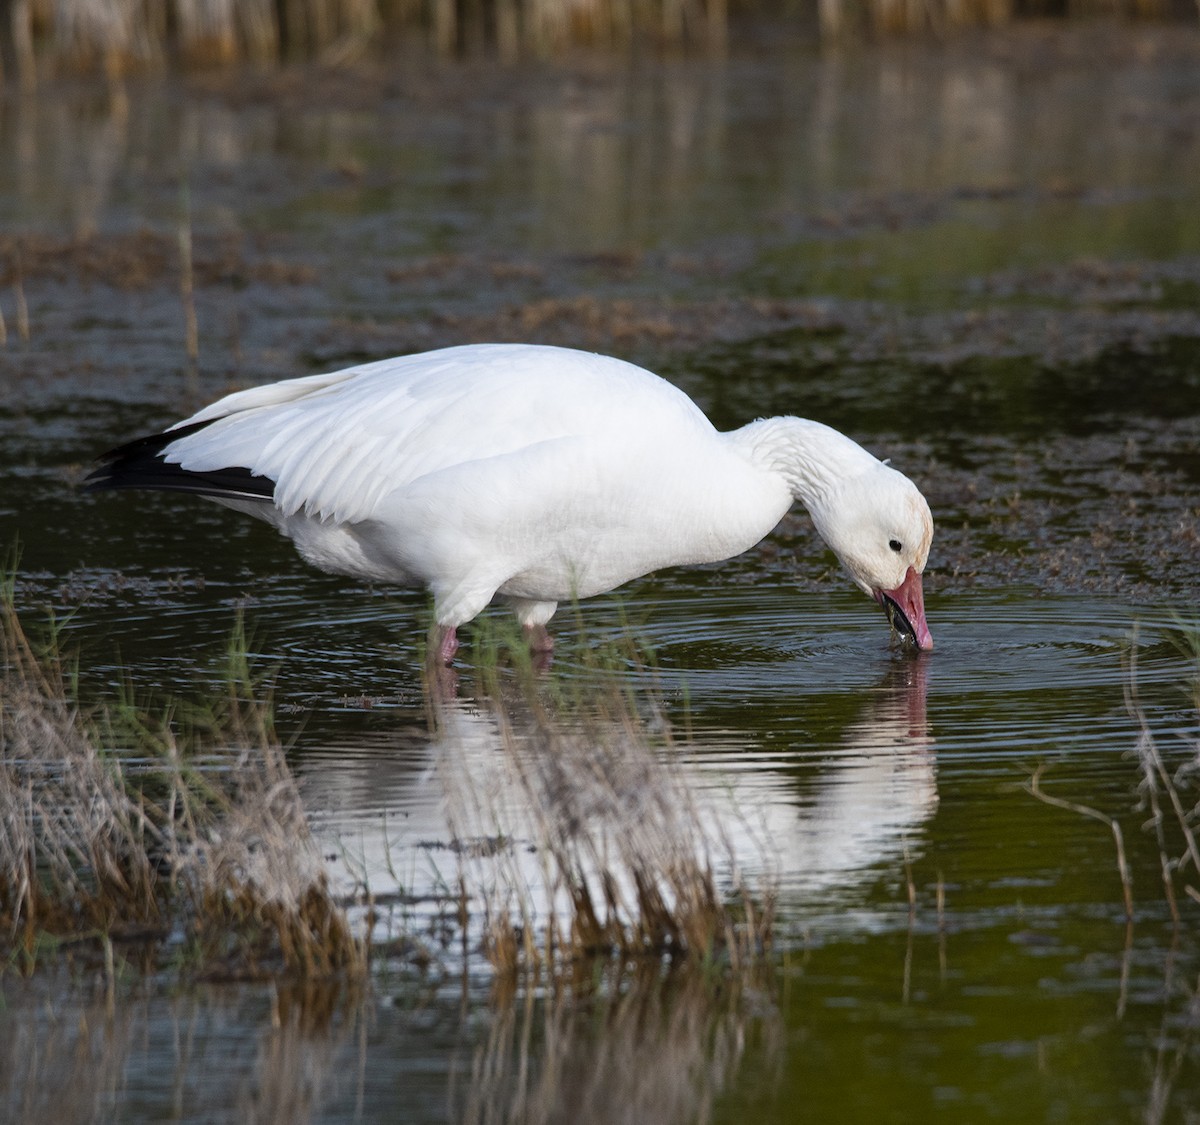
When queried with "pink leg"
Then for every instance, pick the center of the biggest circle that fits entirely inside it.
(442, 681)
(443, 644)
(541, 647)
(539, 639)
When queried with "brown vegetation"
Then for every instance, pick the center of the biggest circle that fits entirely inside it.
(203, 857)
(115, 36)
(1168, 804)
(121, 830)
(583, 841)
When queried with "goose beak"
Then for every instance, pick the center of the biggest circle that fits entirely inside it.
(905, 607)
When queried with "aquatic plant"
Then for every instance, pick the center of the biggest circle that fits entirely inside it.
(201, 850)
(1169, 795)
(582, 841)
(183, 829)
(1166, 797)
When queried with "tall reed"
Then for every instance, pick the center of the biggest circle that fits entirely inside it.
(580, 838)
(206, 852)
(118, 35)
(1168, 794)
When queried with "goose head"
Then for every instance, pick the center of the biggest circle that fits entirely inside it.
(879, 526)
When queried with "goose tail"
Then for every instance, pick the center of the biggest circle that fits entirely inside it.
(142, 464)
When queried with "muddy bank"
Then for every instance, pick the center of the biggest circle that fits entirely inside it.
(124, 290)
(1057, 445)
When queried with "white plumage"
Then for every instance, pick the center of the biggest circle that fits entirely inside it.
(538, 474)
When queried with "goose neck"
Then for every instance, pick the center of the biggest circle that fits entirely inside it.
(813, 458)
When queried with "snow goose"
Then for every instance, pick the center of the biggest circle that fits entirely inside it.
(536, 474)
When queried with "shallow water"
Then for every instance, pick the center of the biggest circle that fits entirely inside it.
(982, 265)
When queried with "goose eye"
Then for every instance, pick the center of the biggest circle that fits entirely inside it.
(895, 545)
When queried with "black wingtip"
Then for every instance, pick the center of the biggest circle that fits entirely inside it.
(140, 464)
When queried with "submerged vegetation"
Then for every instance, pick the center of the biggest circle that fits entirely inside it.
(185, 832)
(1167, 792)
(138, 843)
(592, 844)
(116, 35)
(204, 854)
(1169, 795)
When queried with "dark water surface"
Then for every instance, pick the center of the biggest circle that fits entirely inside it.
(982, 263)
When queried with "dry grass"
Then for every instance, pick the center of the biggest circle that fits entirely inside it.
(1164, 794)
(198, 846)
(206, 856)
(582, 840)
(75, 853)
(115, 36)
(1167, 798)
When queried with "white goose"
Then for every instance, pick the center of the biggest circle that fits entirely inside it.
(536, 474)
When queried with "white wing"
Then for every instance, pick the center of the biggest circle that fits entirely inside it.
(337, 445)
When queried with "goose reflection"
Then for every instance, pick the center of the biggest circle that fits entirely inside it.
(859, 806)
(824, 822)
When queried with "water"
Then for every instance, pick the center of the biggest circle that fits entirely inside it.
(980, 265)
